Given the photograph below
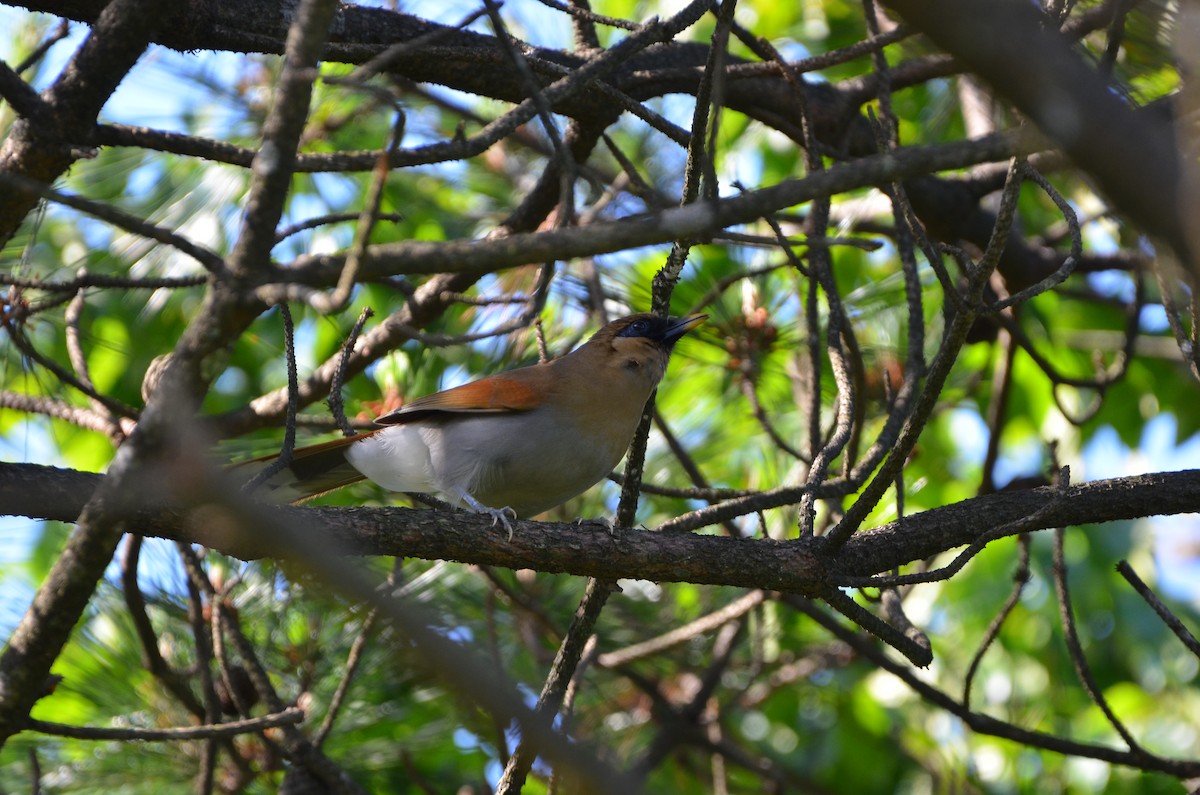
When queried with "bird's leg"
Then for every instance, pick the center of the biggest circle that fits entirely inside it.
(500, 515)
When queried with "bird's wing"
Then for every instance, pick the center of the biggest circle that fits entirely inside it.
(492, 395)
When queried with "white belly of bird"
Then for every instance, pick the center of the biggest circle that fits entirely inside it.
(529, 462)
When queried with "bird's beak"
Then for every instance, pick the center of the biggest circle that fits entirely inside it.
(681, 326)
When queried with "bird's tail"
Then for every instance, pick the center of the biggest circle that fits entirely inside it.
(313, 471)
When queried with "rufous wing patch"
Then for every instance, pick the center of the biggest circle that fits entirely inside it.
(495, 394)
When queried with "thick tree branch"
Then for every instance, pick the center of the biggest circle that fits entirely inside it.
(1071, 102)
(39, 147)
(477, 63)
(67, 589)
(49, 493)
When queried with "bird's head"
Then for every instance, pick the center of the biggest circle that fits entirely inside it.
(634, 350)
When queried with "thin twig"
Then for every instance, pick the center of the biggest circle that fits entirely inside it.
(687, 716)
(336, 402)
(685, 459)
(1165, 613)
(102, 280)
(385, 59)
(22, 344)
(61, 31)
(1078, 659)
(152, 658)
(1020, 578)
(997, 408)
(939, 371)
(204, 664)
(353, 660)
(284, 459)
(225, 624)
(918, 653)
(330, 218)
(57, 409)
(589, 15)
(985, 724)
(562, 671)
(128, 222)
(566, 163)
(1069, 264)
(1034, 521)
(286, 717)
(568, 705)
(679, 635)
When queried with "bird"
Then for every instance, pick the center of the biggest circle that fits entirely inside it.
(509, 445)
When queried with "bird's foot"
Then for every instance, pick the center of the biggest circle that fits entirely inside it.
(608, 523)
(503, 515)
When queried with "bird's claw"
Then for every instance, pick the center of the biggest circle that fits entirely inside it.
(502, 515)
(608, 523)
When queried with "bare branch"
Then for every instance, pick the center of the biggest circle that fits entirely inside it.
(285, 717)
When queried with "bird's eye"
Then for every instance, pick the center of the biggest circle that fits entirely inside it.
(632, 364)
(638, 328)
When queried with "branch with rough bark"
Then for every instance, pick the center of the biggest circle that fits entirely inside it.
(798, 565)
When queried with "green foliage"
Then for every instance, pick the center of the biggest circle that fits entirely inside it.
(815, 713)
